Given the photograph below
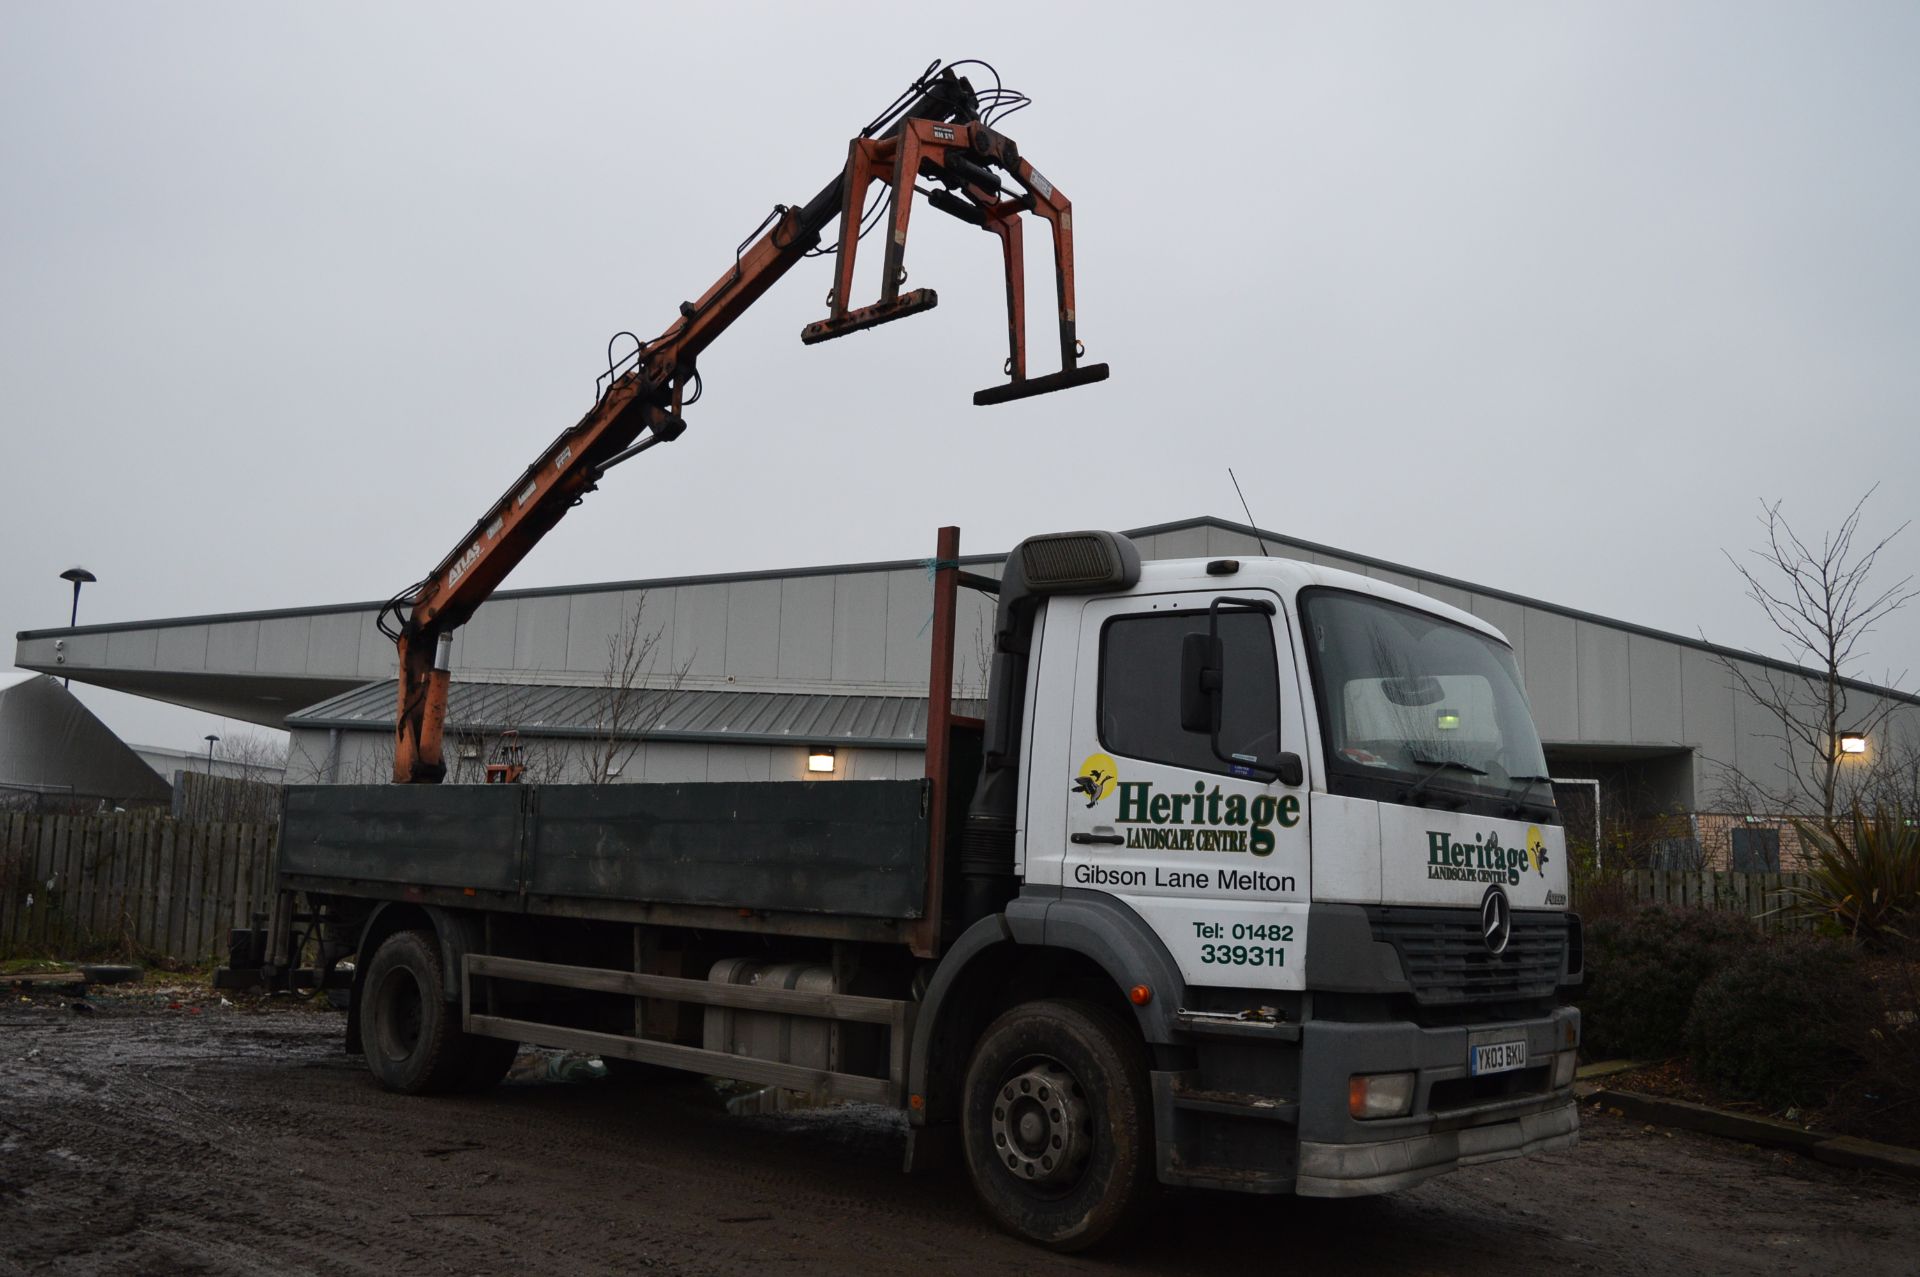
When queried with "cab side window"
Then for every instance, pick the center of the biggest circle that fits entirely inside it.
(1140, 689)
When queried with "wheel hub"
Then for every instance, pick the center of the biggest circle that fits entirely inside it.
(1042, 1127)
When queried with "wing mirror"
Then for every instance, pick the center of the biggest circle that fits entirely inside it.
(1203, 692)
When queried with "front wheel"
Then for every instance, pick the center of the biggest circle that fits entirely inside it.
(1055, 1122)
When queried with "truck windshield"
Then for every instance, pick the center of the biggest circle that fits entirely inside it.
(1410, 704)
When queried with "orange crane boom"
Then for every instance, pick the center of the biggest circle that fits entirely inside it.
(935, 130)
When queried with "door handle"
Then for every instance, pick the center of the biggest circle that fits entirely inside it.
(1112, 840)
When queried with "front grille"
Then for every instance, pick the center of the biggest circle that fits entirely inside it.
(1448, 963)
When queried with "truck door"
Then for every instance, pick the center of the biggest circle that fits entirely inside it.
(1211, 854)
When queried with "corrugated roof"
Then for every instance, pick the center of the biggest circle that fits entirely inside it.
(795, 718)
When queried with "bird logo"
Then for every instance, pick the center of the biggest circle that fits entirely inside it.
(1537, 850)
(1097, 778)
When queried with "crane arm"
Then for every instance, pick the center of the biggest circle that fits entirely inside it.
(933, 130)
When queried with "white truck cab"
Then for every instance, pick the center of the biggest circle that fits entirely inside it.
(1322, 799)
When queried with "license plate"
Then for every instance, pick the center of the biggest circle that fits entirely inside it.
(1497, 1057)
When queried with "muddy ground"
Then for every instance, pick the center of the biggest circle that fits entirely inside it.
(227, 1139)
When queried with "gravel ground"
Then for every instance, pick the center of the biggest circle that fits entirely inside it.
(140, 1138)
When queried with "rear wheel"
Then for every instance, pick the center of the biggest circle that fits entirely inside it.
(411, 1032)
(1055, 1123)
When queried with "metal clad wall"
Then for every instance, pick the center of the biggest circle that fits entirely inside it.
(1654, 690)
(1447, 594)
(1335, 561)
(132, 649)
(1603, 673)
(1590, 682)
(1183, 543)
(235, 645)
(1400, 579)
(333, 644)
(700, 630)
(540, 634)
(909, 637)
(592, 618)
(740, 762)
(1706, 704)
(753, 629)
(183, 648)
(283, 645)
(1511, 620)
(486, 641)
(376, 658)
(806, 628)
(1552, 674)
(1757, 750)
(859, 645)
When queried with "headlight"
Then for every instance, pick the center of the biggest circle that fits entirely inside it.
(1563, 1065)
(1372, 1095)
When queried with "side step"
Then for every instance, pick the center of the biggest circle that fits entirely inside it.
(910, 303)
(1269, 1108)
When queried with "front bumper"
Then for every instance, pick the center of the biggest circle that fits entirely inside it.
(1456, 1120)
(1359, 1170)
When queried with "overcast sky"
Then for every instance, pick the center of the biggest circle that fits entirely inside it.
(1547, 297)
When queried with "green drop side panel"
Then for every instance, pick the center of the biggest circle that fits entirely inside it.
(851, 847)
(856, 848)
(414, 835)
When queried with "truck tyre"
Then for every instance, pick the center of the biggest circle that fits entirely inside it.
(412, 1034)
(488, 1060)
(1056, 1122)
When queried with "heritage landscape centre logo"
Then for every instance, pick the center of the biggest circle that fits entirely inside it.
(1484, 859)
(1206, 819)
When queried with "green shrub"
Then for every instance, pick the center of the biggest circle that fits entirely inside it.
(1643, 972)
(1782, 1024)
(1865, 876)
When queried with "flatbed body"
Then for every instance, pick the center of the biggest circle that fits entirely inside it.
(834, 859)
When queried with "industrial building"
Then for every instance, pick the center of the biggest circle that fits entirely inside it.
(819, 672)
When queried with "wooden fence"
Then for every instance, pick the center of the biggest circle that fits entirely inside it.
(130, 884)
(1764, 897)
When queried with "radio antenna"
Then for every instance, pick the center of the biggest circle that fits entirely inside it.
(1243, 509)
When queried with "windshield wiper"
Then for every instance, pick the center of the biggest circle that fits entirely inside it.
(1436, 766)
(1518, 795)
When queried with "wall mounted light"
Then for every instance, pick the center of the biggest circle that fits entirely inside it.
(1853, 742)
(820, 758)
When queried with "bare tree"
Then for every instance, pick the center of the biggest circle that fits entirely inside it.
(260, 757)
(248, 787)
(1822, 602)
(488, 735)
(635, 693)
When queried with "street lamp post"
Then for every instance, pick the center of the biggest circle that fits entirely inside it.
(79, 577)
(210, 742)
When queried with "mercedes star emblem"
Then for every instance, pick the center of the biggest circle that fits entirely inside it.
(1496, 919)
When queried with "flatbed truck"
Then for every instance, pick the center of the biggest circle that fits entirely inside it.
(1249, 879)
